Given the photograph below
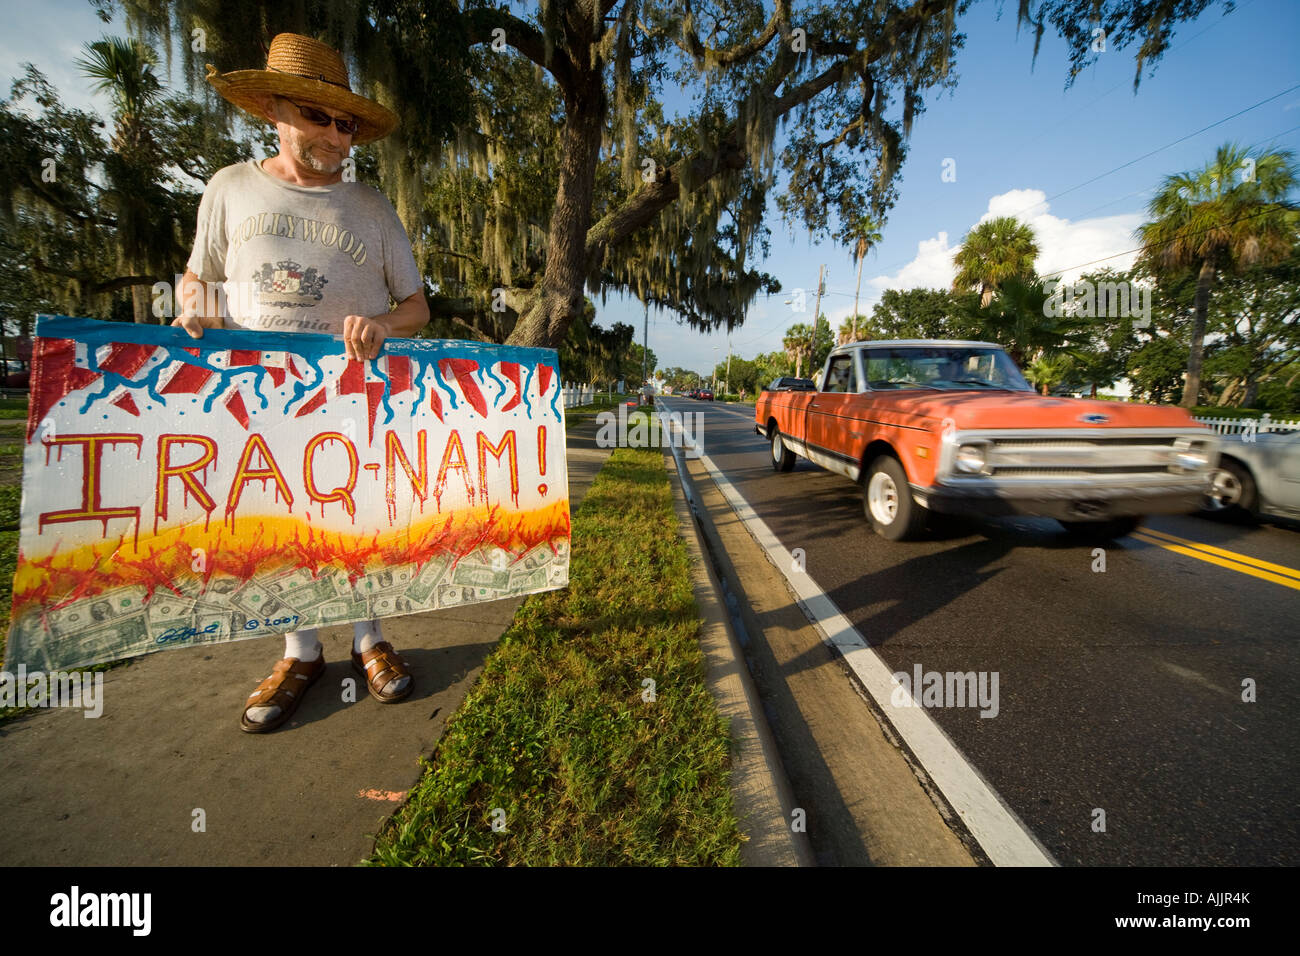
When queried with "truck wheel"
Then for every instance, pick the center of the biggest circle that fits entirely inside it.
(887, 501)
(782, 457)
(1102, 530)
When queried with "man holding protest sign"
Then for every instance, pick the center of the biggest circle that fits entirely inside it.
(298, 246)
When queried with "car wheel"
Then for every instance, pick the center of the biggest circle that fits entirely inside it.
(782, 457)
(1102, 530)
(887, 501)
(1232, 492)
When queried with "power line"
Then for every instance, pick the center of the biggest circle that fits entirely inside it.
(1180, 235)
(1103, 206)
(1139, 192)
(1136, 192)
(1158, 150)
(902, 262)
(1175, 49)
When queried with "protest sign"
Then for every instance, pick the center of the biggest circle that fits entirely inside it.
(181, 491)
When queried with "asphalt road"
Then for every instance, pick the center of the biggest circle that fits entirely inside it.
(1118, 690)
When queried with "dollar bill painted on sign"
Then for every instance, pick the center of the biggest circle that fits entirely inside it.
(179, 492)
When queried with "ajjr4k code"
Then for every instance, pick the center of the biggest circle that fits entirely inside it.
(1212, 899)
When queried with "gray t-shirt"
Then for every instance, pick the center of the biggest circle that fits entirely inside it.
(300, 258)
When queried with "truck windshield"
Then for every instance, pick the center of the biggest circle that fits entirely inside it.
(944, 368)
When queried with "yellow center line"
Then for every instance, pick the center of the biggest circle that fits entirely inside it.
(1224, 553)
(1222, 562)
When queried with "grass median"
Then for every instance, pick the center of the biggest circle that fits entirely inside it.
(563, 744)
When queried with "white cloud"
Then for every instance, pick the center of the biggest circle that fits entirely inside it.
(1073, 247)
(1024, 204)
(932, 268)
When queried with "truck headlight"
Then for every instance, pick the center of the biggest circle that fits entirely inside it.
(1191, 456)
(1193, 459)
(970, 459)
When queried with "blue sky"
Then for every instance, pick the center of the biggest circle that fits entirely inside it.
(1021, 143)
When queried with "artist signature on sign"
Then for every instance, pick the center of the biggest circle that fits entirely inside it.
(174, 635)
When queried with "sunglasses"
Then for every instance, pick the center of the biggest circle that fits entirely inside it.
(347, 127)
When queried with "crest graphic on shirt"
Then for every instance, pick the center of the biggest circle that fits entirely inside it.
(288, 285)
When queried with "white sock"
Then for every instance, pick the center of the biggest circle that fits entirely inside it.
(365, 635)
(303, 645)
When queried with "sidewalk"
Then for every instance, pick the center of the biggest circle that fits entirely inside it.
(126, 789)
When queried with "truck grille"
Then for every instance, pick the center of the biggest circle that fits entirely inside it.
(1074, 472)
(1162, 441)
(1088, 453)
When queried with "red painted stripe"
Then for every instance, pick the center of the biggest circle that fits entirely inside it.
(314, 403)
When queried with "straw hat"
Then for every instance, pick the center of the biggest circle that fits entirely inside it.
(302, 68)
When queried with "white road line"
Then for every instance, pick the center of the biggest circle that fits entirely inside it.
(994, 825)
(743, 413)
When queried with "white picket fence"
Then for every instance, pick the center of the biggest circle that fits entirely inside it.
(581, 395)
(1242, 426)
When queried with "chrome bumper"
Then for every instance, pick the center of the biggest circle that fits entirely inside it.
(1074, 502)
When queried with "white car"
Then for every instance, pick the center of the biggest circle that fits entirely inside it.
(1257, 475)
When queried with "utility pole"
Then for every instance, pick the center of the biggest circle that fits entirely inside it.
(645, 345)
(861, 259)
(817, 309)
(817, 313)
(726, 386)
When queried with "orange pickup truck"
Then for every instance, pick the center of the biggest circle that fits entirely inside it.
(953, 427)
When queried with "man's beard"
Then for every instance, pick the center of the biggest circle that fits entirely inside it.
(309, 157)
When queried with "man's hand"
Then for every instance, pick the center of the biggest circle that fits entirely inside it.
(192, 324)
(195, 294)
(363, 337)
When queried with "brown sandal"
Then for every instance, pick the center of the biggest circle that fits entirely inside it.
(378, 666)
(283, 688)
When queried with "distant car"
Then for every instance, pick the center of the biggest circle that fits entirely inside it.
(705, 394)
(788, 383)
(1257, 475)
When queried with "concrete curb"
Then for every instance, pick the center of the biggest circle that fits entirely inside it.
(759, 784)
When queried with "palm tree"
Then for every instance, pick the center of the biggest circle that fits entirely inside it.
(850, 331)
(1228, 216)
(865, 232)
(1016, 319)
(124, 70)
(993, 252)
(798, 342)
(1049, 371)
